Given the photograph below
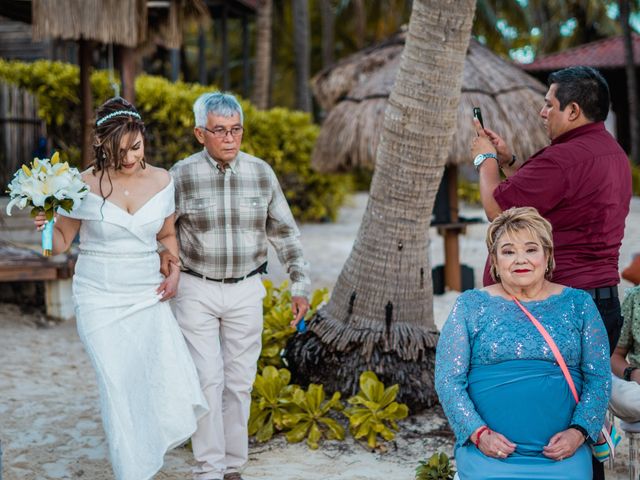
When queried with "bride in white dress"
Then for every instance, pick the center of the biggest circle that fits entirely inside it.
(150, 396)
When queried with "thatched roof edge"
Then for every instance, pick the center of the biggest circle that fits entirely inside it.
(355, 91)
(108, 21)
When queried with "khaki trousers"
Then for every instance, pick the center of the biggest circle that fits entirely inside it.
(222, 324)
(625, 399)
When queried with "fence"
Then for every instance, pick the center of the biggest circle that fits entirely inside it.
(22, 133)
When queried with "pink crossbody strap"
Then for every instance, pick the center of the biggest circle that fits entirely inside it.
(554, 349)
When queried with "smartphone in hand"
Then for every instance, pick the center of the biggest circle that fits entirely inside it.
(478, 114)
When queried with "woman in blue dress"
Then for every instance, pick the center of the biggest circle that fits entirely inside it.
(505, 396)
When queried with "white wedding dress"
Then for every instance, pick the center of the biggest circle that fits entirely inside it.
(150, 396)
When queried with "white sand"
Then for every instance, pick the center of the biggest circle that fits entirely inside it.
(50, 425)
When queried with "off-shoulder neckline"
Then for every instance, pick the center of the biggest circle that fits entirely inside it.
(141, 207)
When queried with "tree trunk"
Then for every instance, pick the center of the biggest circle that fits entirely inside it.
(262, 77)
(86, 100)
(380, 316)
(328, 32)
(224, 32)
(246, 66)
(129, 61)
(632, 83)
(202, 58)
(302, 53)
(361, 23)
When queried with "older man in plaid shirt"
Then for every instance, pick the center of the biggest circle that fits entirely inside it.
(228, 204)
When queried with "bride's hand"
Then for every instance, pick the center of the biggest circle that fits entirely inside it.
(39, 220)
(169, 287)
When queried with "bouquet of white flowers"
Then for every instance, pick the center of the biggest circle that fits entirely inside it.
(46, 186)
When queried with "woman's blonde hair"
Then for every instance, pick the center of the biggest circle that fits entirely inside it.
(516, 220)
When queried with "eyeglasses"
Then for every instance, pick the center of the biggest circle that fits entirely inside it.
(222, 132)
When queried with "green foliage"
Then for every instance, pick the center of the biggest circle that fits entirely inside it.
(272, 397)
(277, 317)
(279, 135)
(437, 467)
(282, 138)
(542, 26)
(374, 410)
(469, 192)
(278, 406)
(635, 179)
(312, 420)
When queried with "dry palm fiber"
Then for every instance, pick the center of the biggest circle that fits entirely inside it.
(355, 93)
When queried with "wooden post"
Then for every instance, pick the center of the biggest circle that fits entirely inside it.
(452, 274)
(86, 100)
(128, 72)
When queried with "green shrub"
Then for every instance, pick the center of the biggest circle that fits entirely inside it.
(271, 400)
(312, 420)
(635, 179)
(374, 410)
(277, 317)
(278, 407)
(468, 192)
(282, 138)
(436, 468)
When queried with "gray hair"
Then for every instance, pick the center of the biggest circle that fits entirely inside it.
(216, 103)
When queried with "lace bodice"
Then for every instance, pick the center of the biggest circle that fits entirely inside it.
(484, 330)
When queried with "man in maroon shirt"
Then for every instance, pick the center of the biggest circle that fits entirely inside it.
(581, 183)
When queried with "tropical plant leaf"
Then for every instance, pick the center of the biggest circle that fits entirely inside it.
(374, 411)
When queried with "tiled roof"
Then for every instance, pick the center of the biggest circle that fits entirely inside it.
(607, 53)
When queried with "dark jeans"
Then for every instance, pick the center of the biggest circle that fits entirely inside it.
(612, 317)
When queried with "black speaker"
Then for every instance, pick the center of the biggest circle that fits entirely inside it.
(437, 277)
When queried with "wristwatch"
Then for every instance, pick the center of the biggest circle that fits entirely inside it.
(481, 158)
(581, 429)
(627, 373)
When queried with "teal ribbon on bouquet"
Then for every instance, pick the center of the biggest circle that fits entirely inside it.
(47, 238)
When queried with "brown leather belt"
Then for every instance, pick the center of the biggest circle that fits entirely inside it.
(261, 269)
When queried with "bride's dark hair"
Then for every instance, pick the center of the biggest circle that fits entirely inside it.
(115, 119)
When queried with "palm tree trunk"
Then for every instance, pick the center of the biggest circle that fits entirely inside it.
(328, 32)
(380, 316)
(262, 79)
(86, 99)
(632, 83)
(302, 53)
(361, 23)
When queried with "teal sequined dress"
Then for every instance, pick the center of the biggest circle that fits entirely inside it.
(494, 368)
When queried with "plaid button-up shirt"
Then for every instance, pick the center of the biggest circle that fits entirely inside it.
(225, 216)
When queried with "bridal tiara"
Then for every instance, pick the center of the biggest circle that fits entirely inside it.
(117, 114)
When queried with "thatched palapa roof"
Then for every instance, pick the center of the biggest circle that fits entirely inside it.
(106, 21)
(123, 22)
(354, 92)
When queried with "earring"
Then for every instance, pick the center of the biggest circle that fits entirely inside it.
(143, 164)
